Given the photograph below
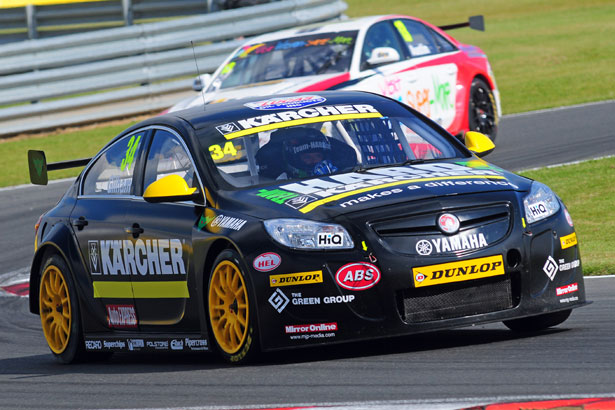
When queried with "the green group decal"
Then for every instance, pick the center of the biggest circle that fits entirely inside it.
(278, 196)
(130, 152)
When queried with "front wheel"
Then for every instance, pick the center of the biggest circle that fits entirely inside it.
(482, 110)
(536, 323)
(231, 313)
(59, 311)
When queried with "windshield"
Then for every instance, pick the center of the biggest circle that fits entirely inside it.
(323, 147)
(290, 57)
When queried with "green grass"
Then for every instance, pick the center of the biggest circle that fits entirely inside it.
(57, 147)
(588, 191)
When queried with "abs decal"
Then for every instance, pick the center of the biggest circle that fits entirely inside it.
(357, 276)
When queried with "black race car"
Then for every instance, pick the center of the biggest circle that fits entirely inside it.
(296, 220)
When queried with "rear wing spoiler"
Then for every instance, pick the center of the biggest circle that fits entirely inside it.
(38, 166)
(474, 22)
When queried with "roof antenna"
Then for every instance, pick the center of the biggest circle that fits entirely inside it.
(198, 73)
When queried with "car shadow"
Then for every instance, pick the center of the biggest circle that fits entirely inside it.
(45, 365)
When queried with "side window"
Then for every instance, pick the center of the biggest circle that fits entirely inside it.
(112, 173)
(167, 156)
(419, 40)
(379, 35)
(444, 46)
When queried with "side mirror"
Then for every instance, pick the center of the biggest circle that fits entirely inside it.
(478, 143)
(171, 188)
(201, 82)
(383, 55)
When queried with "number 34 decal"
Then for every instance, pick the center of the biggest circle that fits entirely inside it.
(219, 152)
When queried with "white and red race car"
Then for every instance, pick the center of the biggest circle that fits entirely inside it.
(401, 57)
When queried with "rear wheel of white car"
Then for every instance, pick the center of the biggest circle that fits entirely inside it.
(482, 110)
(536, 323)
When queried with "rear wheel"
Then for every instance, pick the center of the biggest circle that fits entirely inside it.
(231, 315)
(535, 323)
(59, 311)
(482, 110)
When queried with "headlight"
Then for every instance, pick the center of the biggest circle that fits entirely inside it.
(303, 234)
(540, 203)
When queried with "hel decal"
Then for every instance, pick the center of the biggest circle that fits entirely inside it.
(568, 240)
(458, 271)
(316, 327)
(149, 257)
(301, 278)
(121, 316)
(550, 268)
(568, 217)
(286, 103)
(266, 262)
(357, 276)
(302, 116)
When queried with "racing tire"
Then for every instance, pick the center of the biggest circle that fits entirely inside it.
(59, 311)
(536, 323)
(230, 309)
(482, 110)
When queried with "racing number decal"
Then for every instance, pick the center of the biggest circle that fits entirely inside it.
(217, 152)
(130, 152)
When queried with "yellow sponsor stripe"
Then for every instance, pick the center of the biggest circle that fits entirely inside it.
(141, 290)
(469, 269)
(312, 205)
(302, 121)
(568, 240)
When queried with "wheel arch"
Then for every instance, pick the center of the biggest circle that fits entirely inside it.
(55, 242)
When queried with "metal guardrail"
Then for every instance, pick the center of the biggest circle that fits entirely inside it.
(52, 20)
(131, 70)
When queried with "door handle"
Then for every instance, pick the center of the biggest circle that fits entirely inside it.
(135, 230)
(80, 223)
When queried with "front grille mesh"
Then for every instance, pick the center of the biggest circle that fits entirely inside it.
(451, 301)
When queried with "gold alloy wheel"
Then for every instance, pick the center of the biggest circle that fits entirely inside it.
(55, 309)
(228, 307)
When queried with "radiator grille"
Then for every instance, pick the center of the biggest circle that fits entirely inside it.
(451, 301)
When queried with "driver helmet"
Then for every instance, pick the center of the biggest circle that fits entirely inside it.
(307, 152)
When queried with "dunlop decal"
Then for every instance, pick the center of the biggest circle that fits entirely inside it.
(458, 271)
(568, 240)
(302, 278)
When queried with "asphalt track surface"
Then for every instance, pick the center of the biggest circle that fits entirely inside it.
(485, 363)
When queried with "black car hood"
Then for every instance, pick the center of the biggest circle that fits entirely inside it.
(325, 198)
